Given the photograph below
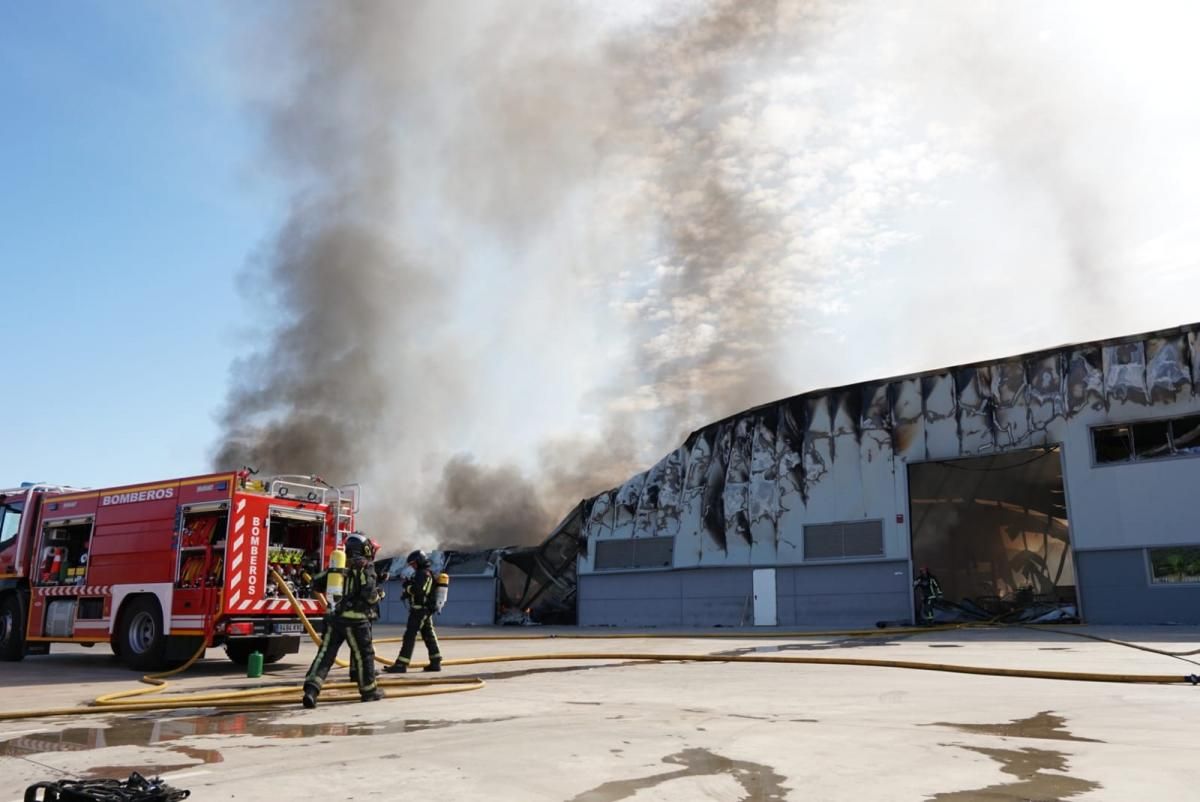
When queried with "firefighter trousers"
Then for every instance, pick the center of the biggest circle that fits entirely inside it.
(357, 633)
(419, 621)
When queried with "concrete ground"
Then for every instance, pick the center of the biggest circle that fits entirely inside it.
(612, 729)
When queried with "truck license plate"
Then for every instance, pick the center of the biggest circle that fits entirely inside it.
(288, 628)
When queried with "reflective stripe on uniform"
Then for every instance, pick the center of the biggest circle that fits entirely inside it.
(356, 652)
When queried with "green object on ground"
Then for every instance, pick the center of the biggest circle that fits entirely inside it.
(254, 665)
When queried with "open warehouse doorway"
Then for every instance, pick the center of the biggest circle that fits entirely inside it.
(994, 531)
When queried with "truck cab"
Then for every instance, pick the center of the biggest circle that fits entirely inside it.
(18, 512)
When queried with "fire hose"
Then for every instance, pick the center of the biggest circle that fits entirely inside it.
(276, 695)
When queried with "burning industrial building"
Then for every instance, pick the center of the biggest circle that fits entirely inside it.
(1053, 483)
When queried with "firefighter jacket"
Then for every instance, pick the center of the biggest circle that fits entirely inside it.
(420, 591)
(359, 591)
(928, 586)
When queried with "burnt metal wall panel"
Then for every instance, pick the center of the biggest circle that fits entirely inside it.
(689, 545)
(941, 417)
(764, 487)
(1125, 373)
(1193, 345)
(670, 493)
(1085, 381)
(736, 501)
(1168, 374)
(628, 497)
(1010, 391)
(1046, 399)
(976, 410)
(908, 414)
(817, 458)
(716, 548)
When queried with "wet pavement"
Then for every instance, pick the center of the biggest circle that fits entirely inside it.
(611, 729)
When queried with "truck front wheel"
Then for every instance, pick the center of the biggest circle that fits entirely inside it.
(141, 639)
(12, 628)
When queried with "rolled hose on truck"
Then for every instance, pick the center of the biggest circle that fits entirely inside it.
(130, 701)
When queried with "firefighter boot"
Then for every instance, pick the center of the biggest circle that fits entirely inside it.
(374, 696)
(435, 664)
(397, 668)
(310, 696)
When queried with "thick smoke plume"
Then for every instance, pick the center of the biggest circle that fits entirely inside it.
(530, 245)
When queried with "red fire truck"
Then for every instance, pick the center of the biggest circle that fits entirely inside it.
(155, 570)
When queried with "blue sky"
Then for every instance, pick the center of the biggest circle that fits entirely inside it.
(129, 207)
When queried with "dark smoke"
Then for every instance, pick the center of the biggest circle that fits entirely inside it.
(344, 300)
(486, 507)
(533, 118)
(487, 196)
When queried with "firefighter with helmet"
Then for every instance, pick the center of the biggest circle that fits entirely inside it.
(421, 595)
(381, 576)
(349, 620)
(931, 592)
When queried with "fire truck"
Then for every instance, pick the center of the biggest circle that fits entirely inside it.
(156, 570)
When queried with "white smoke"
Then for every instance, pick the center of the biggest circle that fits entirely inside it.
(554, 237)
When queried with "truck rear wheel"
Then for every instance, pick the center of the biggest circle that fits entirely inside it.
(12, 628)
(141, 639)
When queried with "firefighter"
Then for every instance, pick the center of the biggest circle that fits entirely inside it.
(420, 593)
(381, 576)
(931, 591)
(348, 621)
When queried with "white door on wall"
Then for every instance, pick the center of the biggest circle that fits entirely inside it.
(764, 597)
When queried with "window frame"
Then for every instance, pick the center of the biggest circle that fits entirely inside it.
(670, 565)
(844, 558)
(1133, 447)
(1149, 559)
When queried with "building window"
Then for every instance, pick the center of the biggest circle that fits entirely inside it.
(1138, 442)
(1174, 565)
(637, 552)
(839, 541)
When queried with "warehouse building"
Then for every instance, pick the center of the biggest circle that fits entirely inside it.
(1066, 478)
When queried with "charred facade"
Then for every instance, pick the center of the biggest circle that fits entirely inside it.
(678, 543)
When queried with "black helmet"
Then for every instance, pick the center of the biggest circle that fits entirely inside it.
(356, 545)
(417, 557)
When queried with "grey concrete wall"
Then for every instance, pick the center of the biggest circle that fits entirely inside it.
(472, 602)
(1115, 588)
(1122, 505)
(843, 594)
(702, 597)
(826, 595)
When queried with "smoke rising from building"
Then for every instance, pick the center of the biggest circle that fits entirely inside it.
(529, 246)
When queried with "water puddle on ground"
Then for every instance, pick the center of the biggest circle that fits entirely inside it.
(124, 733)
(1030, 766)
(1045, 725)
(162, 733)
(760, 782)
(819, 646)
(1033, 783)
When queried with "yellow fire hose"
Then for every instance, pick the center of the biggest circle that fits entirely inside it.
(128, 701)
